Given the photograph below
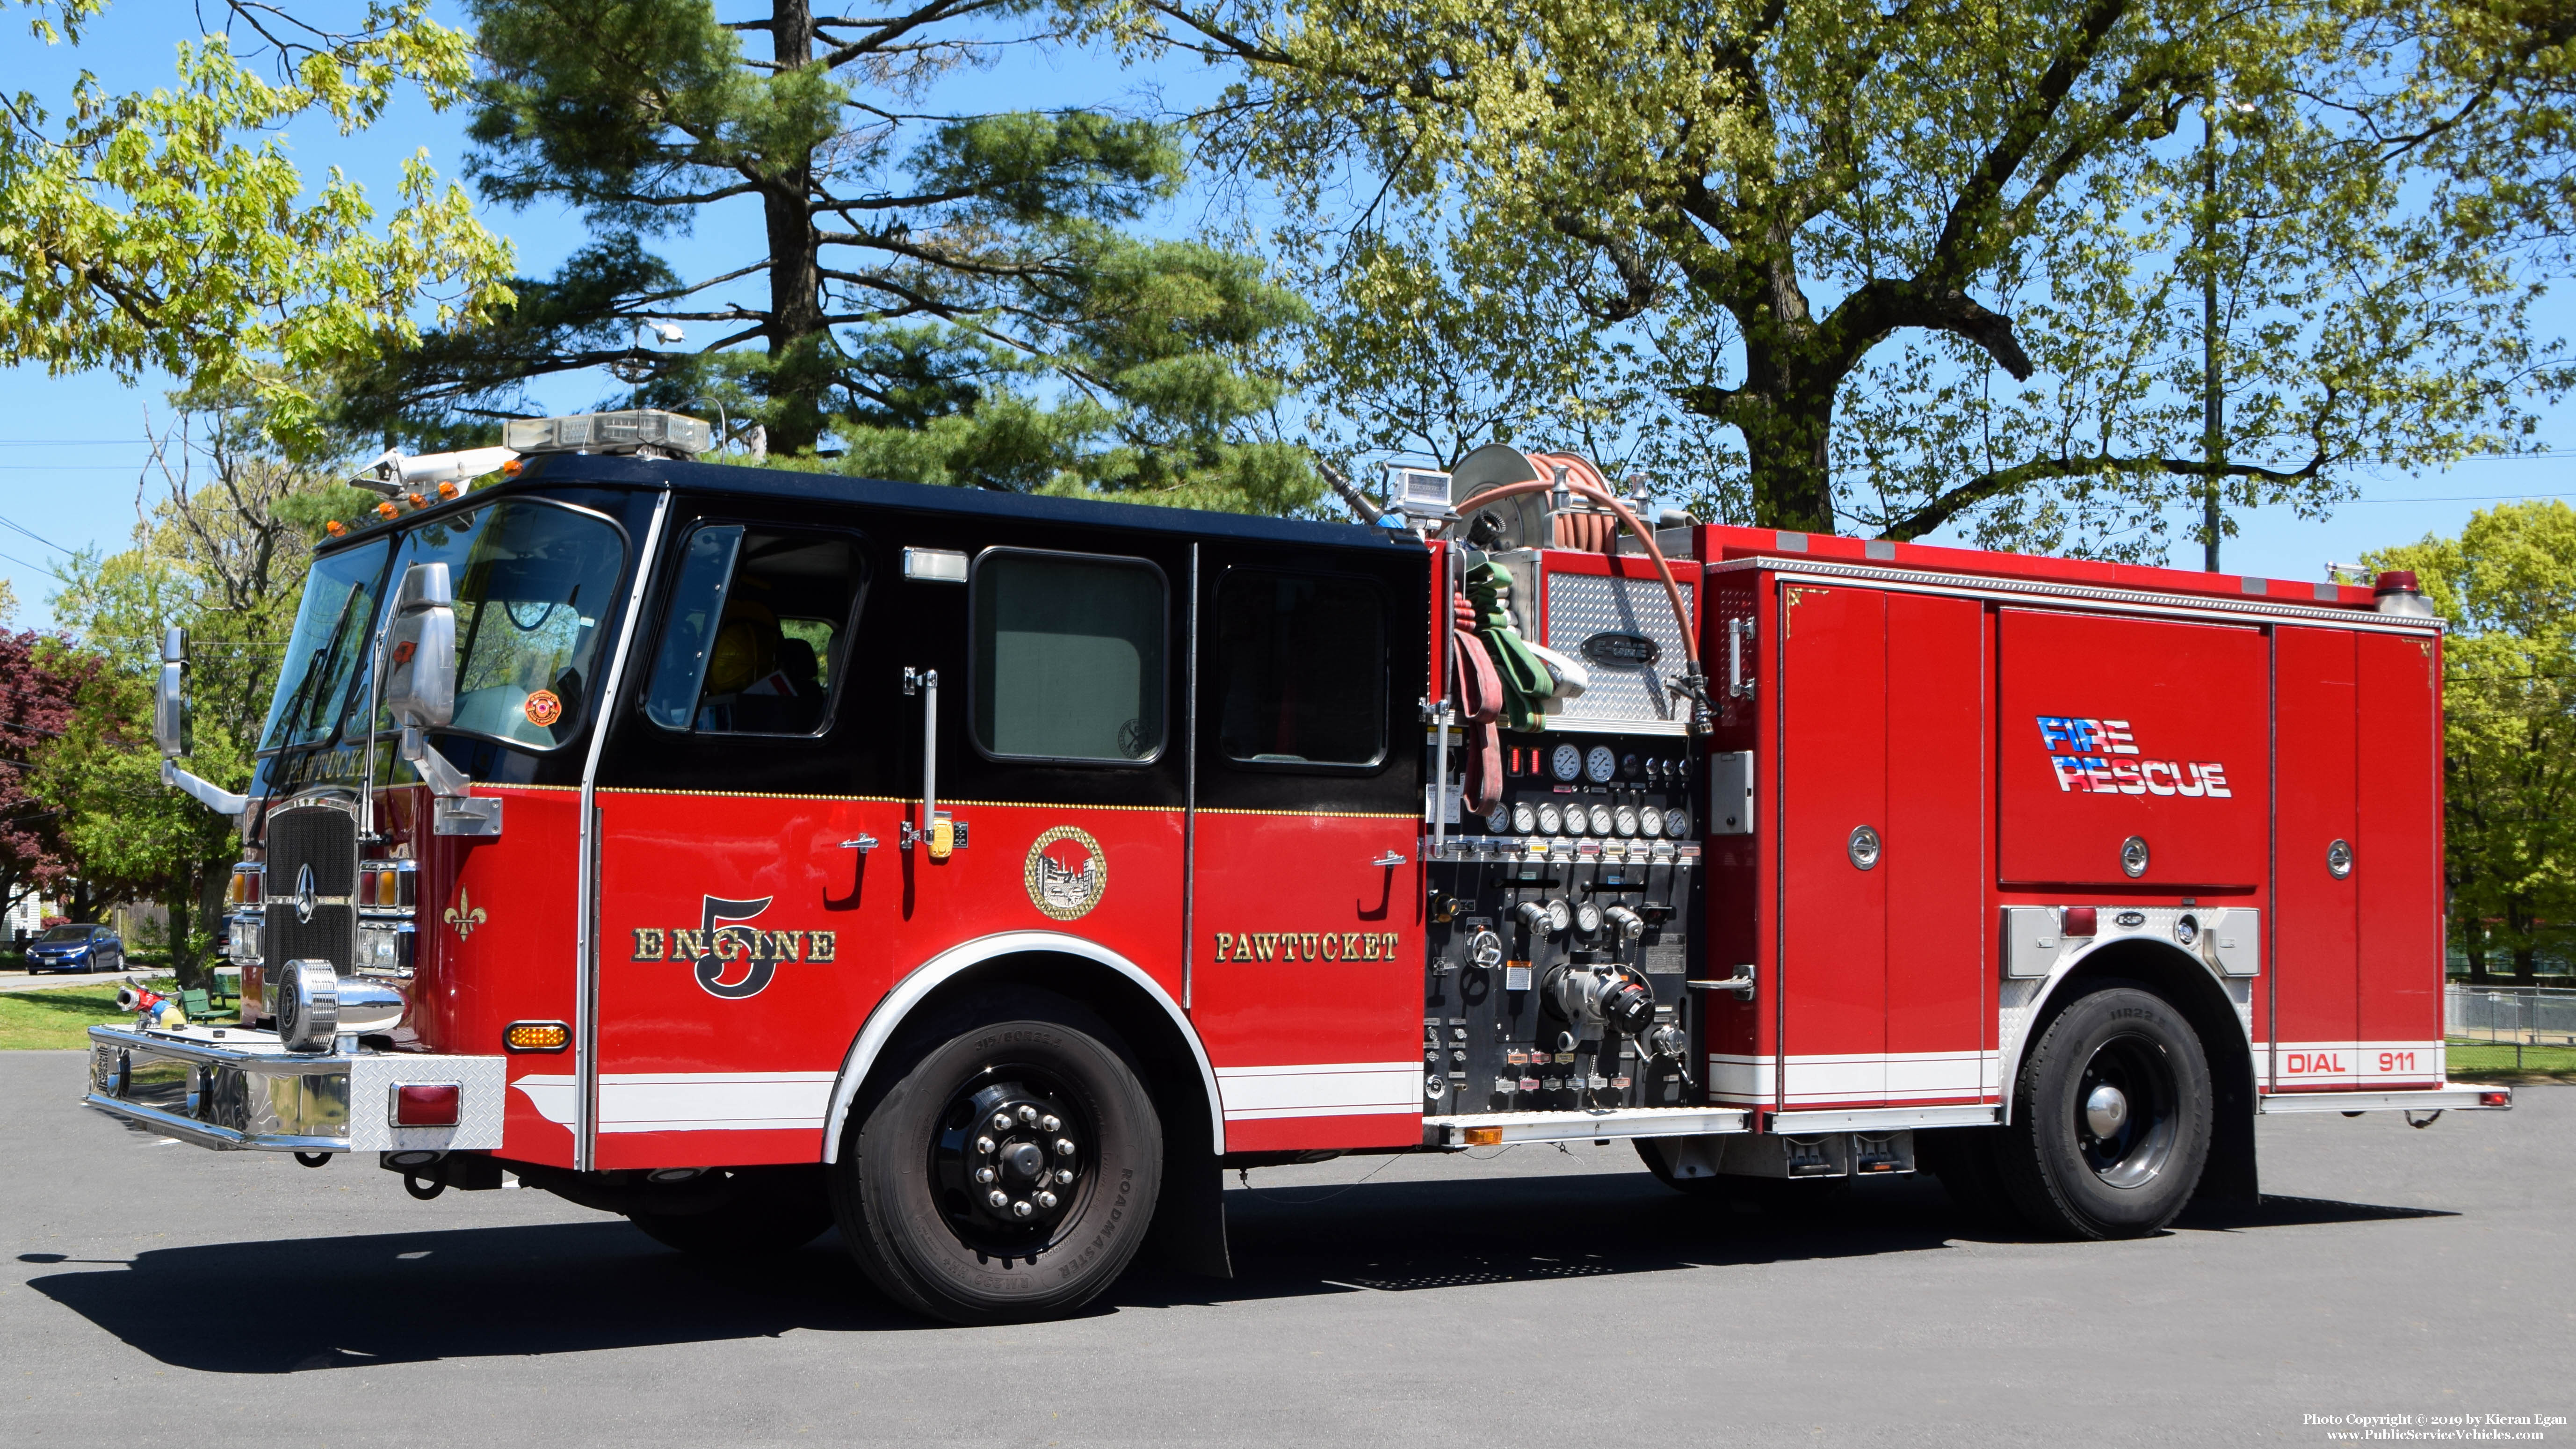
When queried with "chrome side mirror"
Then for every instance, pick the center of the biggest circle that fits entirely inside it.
(420, 650)
(170, 700)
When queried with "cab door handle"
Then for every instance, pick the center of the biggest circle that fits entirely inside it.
(1392, 857)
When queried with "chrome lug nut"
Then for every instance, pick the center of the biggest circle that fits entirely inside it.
(1064, 1147)
(1049, 1124)
(1063, 1175)
(1046, 1199)
(997, 1198)
(984, 1174)
(1021, 1209)
(1001, 1121)
(984, 1145)
(1028, 1114)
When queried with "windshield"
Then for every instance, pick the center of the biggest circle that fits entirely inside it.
(66, 933)
(330, 642)
(532, 580)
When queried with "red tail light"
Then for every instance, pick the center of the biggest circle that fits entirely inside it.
(2495, 1099)
(2082, 921)
(428, 1105)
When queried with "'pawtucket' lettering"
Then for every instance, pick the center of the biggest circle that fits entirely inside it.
(1308, 945)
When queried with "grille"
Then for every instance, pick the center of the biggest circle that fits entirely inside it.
(326, 839)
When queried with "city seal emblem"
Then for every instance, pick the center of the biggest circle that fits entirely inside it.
(1067, 872)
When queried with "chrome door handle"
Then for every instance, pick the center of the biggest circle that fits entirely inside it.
(1392, 857)
(862, 845)
(1739, 632)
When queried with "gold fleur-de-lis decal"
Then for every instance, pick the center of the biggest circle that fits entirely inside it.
(464, 915)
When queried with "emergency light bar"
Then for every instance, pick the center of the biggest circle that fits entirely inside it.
(636, 430)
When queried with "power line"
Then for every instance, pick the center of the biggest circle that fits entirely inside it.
(38, 537)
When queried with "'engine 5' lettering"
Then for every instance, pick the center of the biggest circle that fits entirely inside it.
(721, 942)
(1308, 945)
(2095, 757)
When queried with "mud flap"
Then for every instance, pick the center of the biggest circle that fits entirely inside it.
(1188, 1235)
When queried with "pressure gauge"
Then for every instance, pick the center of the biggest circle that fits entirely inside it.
(1588, 917)
(1500, 821)
(1551, 821)
(1524, 819)
(1601, 820)
(1626, 819)
(1574, 821)
(1559, 915)
(1600, 765)
(1677, 823)
(1650, 821)
(1568, 762)
(1628, 766)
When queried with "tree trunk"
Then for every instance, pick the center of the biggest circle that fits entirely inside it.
(2526, 966)
(1787, 440)
(800, 346)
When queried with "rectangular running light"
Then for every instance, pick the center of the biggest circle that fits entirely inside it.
(427, 1104)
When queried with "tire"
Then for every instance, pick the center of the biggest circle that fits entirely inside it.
(771, 1210)
(925, 1230)
(2070, 1162)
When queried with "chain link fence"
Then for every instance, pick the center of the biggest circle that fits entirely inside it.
(2515, 1016)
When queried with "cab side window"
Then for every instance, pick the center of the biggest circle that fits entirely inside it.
(1068, 657)
(1300, 664)
(758, 624)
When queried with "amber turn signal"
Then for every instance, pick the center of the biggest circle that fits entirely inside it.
(1483, 1136)
(536, 1036)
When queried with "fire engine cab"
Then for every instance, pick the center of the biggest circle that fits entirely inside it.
(751, 852)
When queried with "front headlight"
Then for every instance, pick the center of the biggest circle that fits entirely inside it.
(243, 940)
(385, 948)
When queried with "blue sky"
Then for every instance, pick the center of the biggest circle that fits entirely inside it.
(72, 449)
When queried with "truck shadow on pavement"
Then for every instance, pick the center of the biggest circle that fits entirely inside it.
(345, 1302)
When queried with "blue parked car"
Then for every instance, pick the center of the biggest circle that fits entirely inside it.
(76, 948)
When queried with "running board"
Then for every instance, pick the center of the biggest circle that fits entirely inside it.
(2448, 1097)
(1492, 1129)
(1884, 1119)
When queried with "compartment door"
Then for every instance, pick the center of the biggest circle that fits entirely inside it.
(2121, 729)
(2398, 861)
(1883, 987)
(2316, 929)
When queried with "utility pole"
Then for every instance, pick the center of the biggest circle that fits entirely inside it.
(2213, 392)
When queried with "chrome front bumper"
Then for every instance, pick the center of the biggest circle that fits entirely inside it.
(235, 1087)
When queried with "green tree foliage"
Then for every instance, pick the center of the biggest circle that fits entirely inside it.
(1888, 263)
(172, 230)
(2508, 586)
(955, 299)
(223, 556)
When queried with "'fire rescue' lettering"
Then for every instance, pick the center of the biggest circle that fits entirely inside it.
(721, 943)
(2090, 758)
(1309, 945)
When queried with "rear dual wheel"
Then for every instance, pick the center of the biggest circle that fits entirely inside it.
(1008, 1173)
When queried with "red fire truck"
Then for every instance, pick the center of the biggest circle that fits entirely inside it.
(749, 852)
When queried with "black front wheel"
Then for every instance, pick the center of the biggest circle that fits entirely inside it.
(2110, 1117)
(1008, 1174)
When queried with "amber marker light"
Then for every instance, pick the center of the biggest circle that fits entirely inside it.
(1483, 1136)
(536, 1036)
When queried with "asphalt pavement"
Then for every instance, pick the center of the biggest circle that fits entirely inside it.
(158, 1294)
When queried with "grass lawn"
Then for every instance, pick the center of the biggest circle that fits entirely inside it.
(2472, 1061)
(60, 1018)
